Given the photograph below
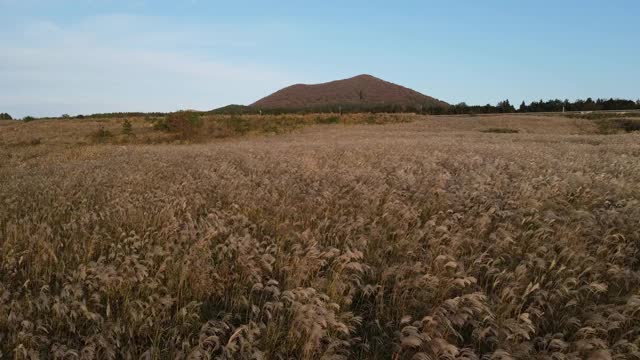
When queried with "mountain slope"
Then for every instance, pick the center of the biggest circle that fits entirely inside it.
(362, 90)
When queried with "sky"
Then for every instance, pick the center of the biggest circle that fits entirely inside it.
(91, 56)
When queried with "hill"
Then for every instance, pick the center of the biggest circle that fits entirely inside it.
(363, 91)
(233, 109)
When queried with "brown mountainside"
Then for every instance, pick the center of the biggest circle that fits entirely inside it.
(365, 90)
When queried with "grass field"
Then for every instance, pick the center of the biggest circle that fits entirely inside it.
(408, 238)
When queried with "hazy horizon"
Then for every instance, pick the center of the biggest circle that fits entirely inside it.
(92, 56)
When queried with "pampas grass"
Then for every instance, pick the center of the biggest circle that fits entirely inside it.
(407, 241)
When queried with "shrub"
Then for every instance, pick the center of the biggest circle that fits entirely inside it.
(500, 131)
(159, 124)
(5, 116)
(628, 125)
(602, 115)
(239, 124)
(28, 118)
(127, 128)
(371, 119)
(185, 124)
(613, 126)
(327, 119)
(102, 134)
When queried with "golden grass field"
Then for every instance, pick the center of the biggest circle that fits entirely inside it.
(421, 238)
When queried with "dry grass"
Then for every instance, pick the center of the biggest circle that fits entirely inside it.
(80, 132)
(424, 240)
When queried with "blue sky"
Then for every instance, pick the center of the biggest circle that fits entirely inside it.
(88, 56)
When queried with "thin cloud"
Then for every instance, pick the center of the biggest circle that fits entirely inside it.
(122, 63)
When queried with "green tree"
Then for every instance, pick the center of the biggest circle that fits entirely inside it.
(5, 116)
(505, 107)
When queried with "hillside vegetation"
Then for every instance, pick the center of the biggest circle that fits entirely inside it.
(360, 92)
(437, 238)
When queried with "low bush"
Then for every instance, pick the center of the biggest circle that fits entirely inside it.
(159, 124)
(614, 126)
(239, 125)
(102, 135)
(628, 125)
(127, 128)
(184, 124)
(327, 119)
(371, 119)
(603, 115)
(500, 131)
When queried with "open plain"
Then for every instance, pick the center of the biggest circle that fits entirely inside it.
(370, 236)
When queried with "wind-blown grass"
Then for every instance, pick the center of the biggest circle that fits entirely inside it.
(415, 241)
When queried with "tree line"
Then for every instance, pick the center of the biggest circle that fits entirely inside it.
(554, 105)
(580, 105)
